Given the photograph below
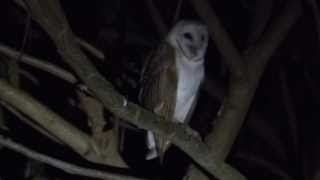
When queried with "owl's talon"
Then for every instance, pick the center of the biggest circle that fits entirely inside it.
(196, 134)
(193, 133)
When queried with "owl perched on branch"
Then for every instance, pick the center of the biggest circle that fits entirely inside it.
(171, 78)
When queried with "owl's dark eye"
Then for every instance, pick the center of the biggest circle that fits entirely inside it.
(187, 36)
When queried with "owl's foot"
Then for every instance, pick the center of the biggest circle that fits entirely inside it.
(152, 153)
(191, 132)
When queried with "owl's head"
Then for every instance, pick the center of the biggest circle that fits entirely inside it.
(190, 38)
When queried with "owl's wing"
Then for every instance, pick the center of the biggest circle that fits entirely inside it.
(159, 82)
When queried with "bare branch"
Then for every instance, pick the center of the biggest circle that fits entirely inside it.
(30, 123)
(266, 165)
(177, 12)
(290, 109)
(80, 142)
(265, 132)
(311, 84)
(106, 140)
(316, 14)
(64, 131)
(161, 26)
(40, 64)
(260, 18)
(91, 49)
(62, 165)
(94, 51)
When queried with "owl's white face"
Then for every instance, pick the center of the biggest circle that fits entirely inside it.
(190, 38)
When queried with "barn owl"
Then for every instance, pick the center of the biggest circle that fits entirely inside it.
(171, 78)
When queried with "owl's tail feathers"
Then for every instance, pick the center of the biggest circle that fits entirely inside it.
(152, 153)
(157, 146)
(162, 146)
(151, 143)
(157, 151)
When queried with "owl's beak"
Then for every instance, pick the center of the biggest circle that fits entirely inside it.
(189, 51)
(193, 50)
(193, 53)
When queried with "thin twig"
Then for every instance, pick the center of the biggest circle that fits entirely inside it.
(62, 165)
(291, 112)
(30, 123)
(261, 127)
(231, 54)
(94, 51)
(260, 18)
(90, 48)
(177, 12)
(266, 165)
(157, 19)
(312, 85)
(316, 14)
(40, 64)
(25, 36)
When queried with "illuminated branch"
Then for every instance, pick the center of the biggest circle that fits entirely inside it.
(62, 165)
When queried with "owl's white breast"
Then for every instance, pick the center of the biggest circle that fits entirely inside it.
(190, 76)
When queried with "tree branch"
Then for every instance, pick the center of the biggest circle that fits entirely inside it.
(62, 165)
(90, 48)
(40, 64)
(316, 15)
(31, 123)
(64, 131)
(257, 61)
(157, 19)
(273, 168)
(260, 18)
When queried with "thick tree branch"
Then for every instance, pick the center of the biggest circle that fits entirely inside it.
(62, 165)
(52, 122)
(65, 132)
(50, 16)
(31, 123)
(241, 91)
(257, 61)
